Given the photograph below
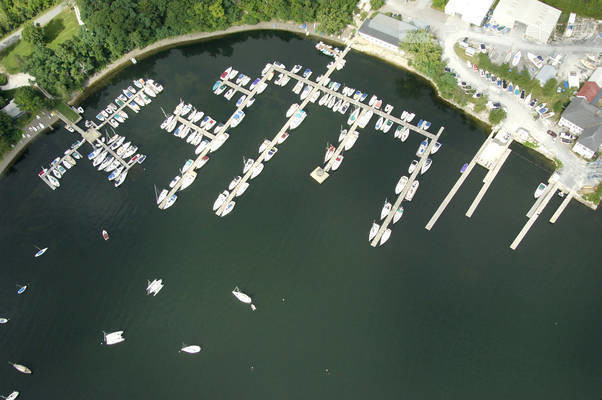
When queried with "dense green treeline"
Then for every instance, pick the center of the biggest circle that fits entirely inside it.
(583, 8)
(14, 12)
(115, 27)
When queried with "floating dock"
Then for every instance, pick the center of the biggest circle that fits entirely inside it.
(404, 191)
(224, 128)
(534, 212)
(315, 86)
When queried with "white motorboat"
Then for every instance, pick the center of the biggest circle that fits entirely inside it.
(386, 235)
(398, 214)
(436, 148)
(291, 110)
(412, 191)
(170, 201)
(113, 337)
(379, 123)
(401, 184)
(425, 167)
(351, 140)
(386, 127)
(174, 181)
(243, 297)
(3, 320)
(187, 165)
(365, 118)
(329, 152)
(264, 145)
(405, 133)
(540, 189)
(385, 210)
(220, 199)
(162, 196)
(422, 148)
(234, 182)
(257, 170)
(40, 251)
(119, 180)
(14, 394)
(203, 161)
(21, 368)
(247, 165)
(191, 349)
(353, 117)
(219, 140)
(154, 287)
(187, 179)
(241, 188)
(201, 146)
(373, 230)
(337, 162)
(298, 118)
(228, 209)
(237, 118)
(282, 137)
(412, 166)
(270, 153)
(342, 134)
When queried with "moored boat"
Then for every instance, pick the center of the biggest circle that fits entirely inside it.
(220, 199)
(425, 167)
(412, 191)
(422, 148)
(401, 184)
(540, 189)
(373, 231)
(398, 214)
(386, 209)
(337, 162)
(386, 235)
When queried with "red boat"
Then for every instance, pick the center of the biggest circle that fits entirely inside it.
(105, 235)
(225, 74)
(135, 158)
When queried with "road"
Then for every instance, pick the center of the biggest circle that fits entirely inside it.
(575, 172)
(42, 20)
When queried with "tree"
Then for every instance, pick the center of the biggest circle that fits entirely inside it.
(33, 34)
(549, 88)
(376, 4)
(30, 99)
(497, 116)
(3, 79)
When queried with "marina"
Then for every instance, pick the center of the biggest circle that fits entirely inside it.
(298, 250)
(109, 153)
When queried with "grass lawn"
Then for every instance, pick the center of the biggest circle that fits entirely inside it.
(63, 27)
(67, 112)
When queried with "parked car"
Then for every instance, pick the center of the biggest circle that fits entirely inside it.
(483, 48)
(565, 140)
(552, 133)
(567, 135)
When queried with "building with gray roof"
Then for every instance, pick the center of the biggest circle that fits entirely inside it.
(584, 119)
(385, 31)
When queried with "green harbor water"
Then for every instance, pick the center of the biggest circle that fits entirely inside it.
(448, 314)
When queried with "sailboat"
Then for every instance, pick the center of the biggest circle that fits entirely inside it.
(21, 368)
(3, 320)
(11, 396)
(190, 349)
(40, 251)
(243, 297)
(373, 230)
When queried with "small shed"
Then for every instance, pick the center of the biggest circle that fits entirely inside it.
(546, 73)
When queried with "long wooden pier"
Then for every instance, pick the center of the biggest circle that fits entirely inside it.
(457, 185)
(534, 213)
(562, 206)
(274, 141)
(351, 100)
(406, 188)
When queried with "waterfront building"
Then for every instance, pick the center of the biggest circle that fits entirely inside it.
(385, 31)
(584, 118)
(538, 18)
(471, 11)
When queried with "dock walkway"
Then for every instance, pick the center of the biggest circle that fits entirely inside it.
(406, 188)
(535, 211)
(274, 141)
(351, 100)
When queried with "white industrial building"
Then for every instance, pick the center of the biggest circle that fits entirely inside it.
(471, 11)
(540, 19)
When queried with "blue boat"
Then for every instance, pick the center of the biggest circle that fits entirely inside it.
(510, 87)
(93, 154)
(336, 87)
(306, 73)
(463, 168)
(127, 93)
(114, 174)
(255, 82)
(22, 289)
(177, 131)
(364, 95)
(357, 94)
(426, 125)
(420, 123)
(517, 91)
(216, 85)
(499, 82)
(100, 117)
(543, 110)
(141, 159)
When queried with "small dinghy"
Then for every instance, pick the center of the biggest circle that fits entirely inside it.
(243, 297)
(105, 235)
(3, 320)
(190, 349)
(21, 368)
(11, 396)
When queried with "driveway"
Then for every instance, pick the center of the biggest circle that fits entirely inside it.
(42, 20)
